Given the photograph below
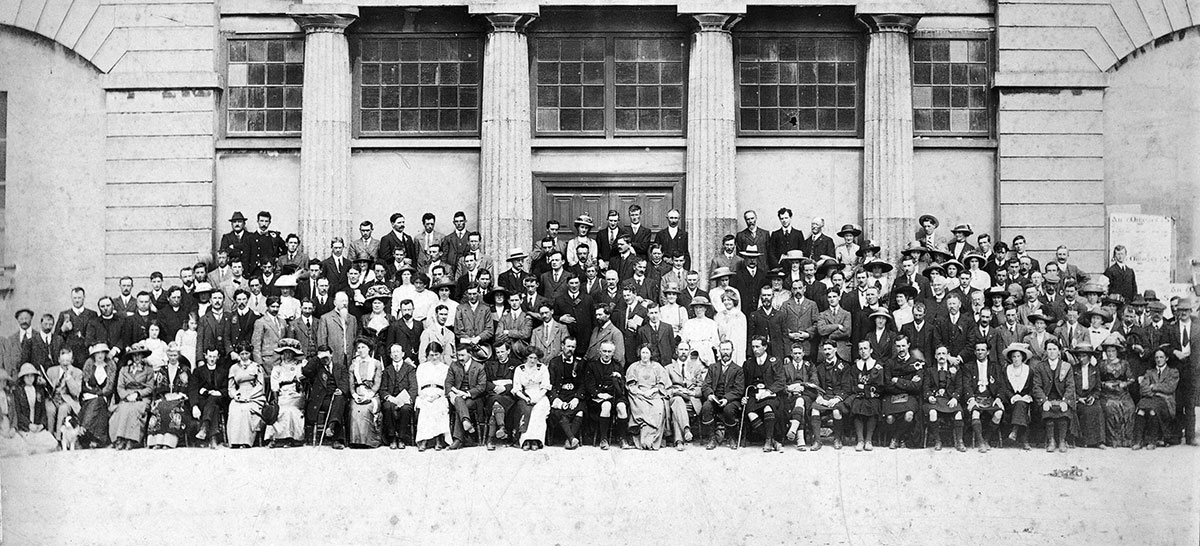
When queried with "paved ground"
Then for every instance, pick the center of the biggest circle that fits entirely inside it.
(321, 496)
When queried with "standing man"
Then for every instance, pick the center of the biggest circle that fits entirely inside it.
(237, 241)
(728, 257)
(75, 325)
(395, 238)
(752, 236)
(639, 235)
(429, 235)
(268, 330)
(126, 302)
(1121, 278)
(817, 244)
(673, 239)
(454, 245)
(576, 311)
(265, 245)
(554, 282)
(1071, 271)
(366, 247)
(338, 330)
(606, 241)
(783, 239)
(336, 265)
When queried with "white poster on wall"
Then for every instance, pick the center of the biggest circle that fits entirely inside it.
(1150, 241)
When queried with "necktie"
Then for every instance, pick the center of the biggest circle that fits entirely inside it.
(1185, 339)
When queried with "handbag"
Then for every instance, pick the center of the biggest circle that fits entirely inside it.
(270, 410)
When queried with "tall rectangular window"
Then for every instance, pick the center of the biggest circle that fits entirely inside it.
(805, 84)
(265, 86)
(609, 86)
(424, 85)
(950, 87)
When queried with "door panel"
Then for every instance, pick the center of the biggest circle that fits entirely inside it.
(565, 200)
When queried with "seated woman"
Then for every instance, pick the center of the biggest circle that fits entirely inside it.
(1116, 376)
(134, 386)
(207, 395)
(1156, 408)
(365, 377)
(433, 409)
(247, 397)
(1090, 408)
(286, 379)
(942, 391)
(1054, 392)
(1016, 391)
(646, 384)
(864, 401)
(99, 384)
(169, 415)
(29, 404)
(397, 393)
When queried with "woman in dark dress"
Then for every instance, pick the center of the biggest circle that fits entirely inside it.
(864, 402)
(883, 336)
(1116, 376)
(169, 415)
(375, 322)
(99, 383)
(1091, 406)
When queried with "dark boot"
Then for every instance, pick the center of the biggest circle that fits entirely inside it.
(1139, 431)
(1050, 437)
(1062, 437)
(958, 436)
(977, 427)
(937, 436)
(814, 425)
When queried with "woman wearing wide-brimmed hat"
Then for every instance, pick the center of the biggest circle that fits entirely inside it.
(974, 262)
(287, 379)
(366, 378)
(135, 383)
(1016, 391)
(1116, 377)
(847, 251)
(247, 397)
(700, 333)
(169, 413)
(1054, 394)
(30, 406)
(377, 319)
(583, 224)
(1096, 320)
(99, 383)
(1090, 409)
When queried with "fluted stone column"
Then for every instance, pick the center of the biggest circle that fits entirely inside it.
(889, 210)
(710, 191)
(325, 131)
(505, 183)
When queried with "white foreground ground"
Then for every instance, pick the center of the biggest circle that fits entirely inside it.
(588, 496)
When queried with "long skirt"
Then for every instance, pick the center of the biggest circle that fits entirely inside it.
(533, 420)
(1018, 414)
(1091, 423)
(168, 421)
(245, 420)
(1118, 419)
(290, 422)
(363, 431)
(649, 415)
(129, 420)
(93, 419)
(433, 418)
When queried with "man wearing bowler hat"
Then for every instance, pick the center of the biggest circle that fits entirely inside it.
(237, 241)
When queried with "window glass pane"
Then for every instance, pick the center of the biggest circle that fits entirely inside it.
(950, 87)
(422, 84)
(798, 83)
(649, 83)
(265, 84)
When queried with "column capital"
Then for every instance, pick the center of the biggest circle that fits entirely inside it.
(889, 22)
(509, 22)
(715, 22)
(323, 17)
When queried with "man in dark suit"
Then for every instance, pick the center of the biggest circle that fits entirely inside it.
(236, 243)
(241, 320)
(983, 332)
(910, 277)
(76, 325)
(406, 331)
(324, 301)
(659, 335)
(41, 348)
(125, 302)
(454, 244)
(554, 282)
(1121, 278)
(267, 276)
(329, 388)
(920, 333)
(265, 245)
(1018, 250)
(628, 315)
(607, 248)
(673, 239)
(639, 235)
(817, 244)
(576, 310)
(1184, 340)
(307, 286)
(397, 238)
(752, 236)
(783, 239)
(213, 329)
(513, 279)
(304, 327)
(335, 266)
(748, 281)
(952, 329)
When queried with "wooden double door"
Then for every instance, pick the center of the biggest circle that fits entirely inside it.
(565, 198)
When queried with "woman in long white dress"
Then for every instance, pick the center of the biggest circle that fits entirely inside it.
(531, 383)
(365, 377)
(731, 325)
(247, 398)
(433, 409)
(286, 378)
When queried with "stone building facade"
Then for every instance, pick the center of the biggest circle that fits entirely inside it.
(132, 129)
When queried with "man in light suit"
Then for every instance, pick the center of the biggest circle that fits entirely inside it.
(16, 342)
(550, 334)
(268, 330)
(365, 247)
(338, 330)
(429, 235)
(1071, 271)
(222, 271)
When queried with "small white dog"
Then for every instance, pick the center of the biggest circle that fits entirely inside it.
(69, 434)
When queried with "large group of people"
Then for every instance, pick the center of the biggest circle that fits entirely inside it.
(612, 337)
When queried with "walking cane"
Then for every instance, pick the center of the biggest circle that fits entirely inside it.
(325, 427)
(741, 422)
